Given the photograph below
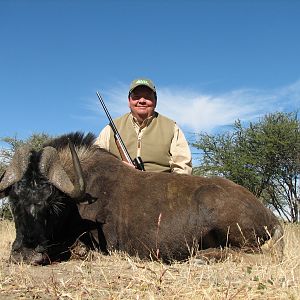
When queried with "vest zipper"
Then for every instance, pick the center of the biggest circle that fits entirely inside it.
(139, 144)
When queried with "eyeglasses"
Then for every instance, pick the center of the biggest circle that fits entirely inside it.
(147, 96)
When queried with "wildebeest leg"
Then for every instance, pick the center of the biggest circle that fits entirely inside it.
(275, 245)
(215, 255)
(94, 237)
(109, 237)
(212, 255)
(102, 240)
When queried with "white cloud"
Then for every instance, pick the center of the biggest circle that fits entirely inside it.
(196, 111)
(204, 112)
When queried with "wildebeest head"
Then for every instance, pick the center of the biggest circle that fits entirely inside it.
(39, 190)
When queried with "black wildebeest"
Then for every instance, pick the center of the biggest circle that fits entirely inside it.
(132, 211)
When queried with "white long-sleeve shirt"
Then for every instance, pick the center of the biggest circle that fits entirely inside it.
(181, 158)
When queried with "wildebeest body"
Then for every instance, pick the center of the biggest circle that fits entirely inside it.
(210, 211)
(144, 213)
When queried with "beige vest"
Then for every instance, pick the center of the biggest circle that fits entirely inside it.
(155, 142)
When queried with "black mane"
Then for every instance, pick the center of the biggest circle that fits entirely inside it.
(77, 138)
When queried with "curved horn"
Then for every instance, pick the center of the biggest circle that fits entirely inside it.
(51, 167)
(16, 168)
(79, 187)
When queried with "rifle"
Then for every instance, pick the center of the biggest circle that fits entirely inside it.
(137, 162)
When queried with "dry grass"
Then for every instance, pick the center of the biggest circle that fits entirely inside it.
(122, 277)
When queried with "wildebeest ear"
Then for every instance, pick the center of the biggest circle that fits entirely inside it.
(2, 194)
(17, 167)
(51, 167)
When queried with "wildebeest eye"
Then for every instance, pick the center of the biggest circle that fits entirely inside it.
(49, 189)
(45, 188)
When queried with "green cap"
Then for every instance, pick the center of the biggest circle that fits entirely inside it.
(142, 81)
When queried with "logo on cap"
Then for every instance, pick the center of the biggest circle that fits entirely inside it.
(142, 81)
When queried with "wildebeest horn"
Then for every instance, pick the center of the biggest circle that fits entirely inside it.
(16, 169)
(79, 180)
(51, 167)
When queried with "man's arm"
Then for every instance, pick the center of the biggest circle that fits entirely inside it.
(103, 139)
(181, 160)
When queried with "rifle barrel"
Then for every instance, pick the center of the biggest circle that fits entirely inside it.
(116, 133)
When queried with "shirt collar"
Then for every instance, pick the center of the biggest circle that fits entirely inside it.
(145, 123)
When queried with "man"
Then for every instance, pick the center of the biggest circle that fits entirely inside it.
(156, 139)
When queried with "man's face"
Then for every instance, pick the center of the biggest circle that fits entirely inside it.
(142, 102)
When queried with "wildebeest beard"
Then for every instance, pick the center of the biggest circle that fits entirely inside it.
(47, 221)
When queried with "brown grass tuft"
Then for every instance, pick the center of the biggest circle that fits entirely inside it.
(122, 277)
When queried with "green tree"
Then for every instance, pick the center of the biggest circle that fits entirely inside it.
(263, 157)
(35, 141)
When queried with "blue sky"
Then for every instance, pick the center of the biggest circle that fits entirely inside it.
(212, 61)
